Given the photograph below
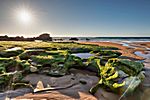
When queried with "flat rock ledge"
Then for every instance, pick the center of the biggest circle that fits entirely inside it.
(82, 80)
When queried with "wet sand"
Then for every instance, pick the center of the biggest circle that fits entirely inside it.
(126, 50)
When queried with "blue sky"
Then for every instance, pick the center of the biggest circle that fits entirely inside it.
(77, 17)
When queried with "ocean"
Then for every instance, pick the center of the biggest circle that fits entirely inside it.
(106, 39)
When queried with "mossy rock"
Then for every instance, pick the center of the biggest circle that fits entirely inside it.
(12, 64)
(47, 59)
(4, 79)
(92, 65)
(7, 65)
(25, 65)
(128, 66)
(51, 62)
(61, 68)
(58, 52)
(79, 50)
(74, 62)
(58, 64)
(28, 53)
(119, 75)
(106, 54)
(7, 79)
(4, 82)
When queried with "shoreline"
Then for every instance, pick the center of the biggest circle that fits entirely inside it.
(126, 50)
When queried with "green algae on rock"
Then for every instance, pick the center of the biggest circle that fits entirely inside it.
(120, 76)
(106, 54)
(115, 74)
(27, 53)
(129, 67)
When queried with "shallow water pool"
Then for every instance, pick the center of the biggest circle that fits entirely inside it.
(147, 55)
(83, 55)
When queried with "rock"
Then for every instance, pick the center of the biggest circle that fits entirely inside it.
(55, 95)
(28, 53)
(74, 39)
(106, 54)
(146, 94)
(143, 91)
(92, 64)
(61, 81)
(147, 60)
(39, 86)
(146, 81)
(120, 76)
(85, 72)
(75, 92)
(101, 94)
(147, 64)
(14, 93)
(44, 37)
(34, 78)
(33, 69)
(33, 63)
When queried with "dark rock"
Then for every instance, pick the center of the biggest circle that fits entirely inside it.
(14, 93)
(44, 37)
(87, 39)
(74, 39)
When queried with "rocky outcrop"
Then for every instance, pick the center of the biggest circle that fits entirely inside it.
(43, 37)
(74, 39)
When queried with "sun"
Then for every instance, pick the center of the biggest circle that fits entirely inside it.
(24, 16)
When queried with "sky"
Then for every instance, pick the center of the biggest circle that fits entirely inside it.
(77, 18)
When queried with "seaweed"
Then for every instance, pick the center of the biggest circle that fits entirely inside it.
(118, 74)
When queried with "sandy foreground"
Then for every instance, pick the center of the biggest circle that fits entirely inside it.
(80, 91)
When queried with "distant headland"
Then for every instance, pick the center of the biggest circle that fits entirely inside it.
(43, 37)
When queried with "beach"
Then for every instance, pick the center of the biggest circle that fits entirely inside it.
(74, 50)
(139, 51)
(127, 49)
(79, 82)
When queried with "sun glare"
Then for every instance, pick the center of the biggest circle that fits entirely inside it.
(24, 16)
